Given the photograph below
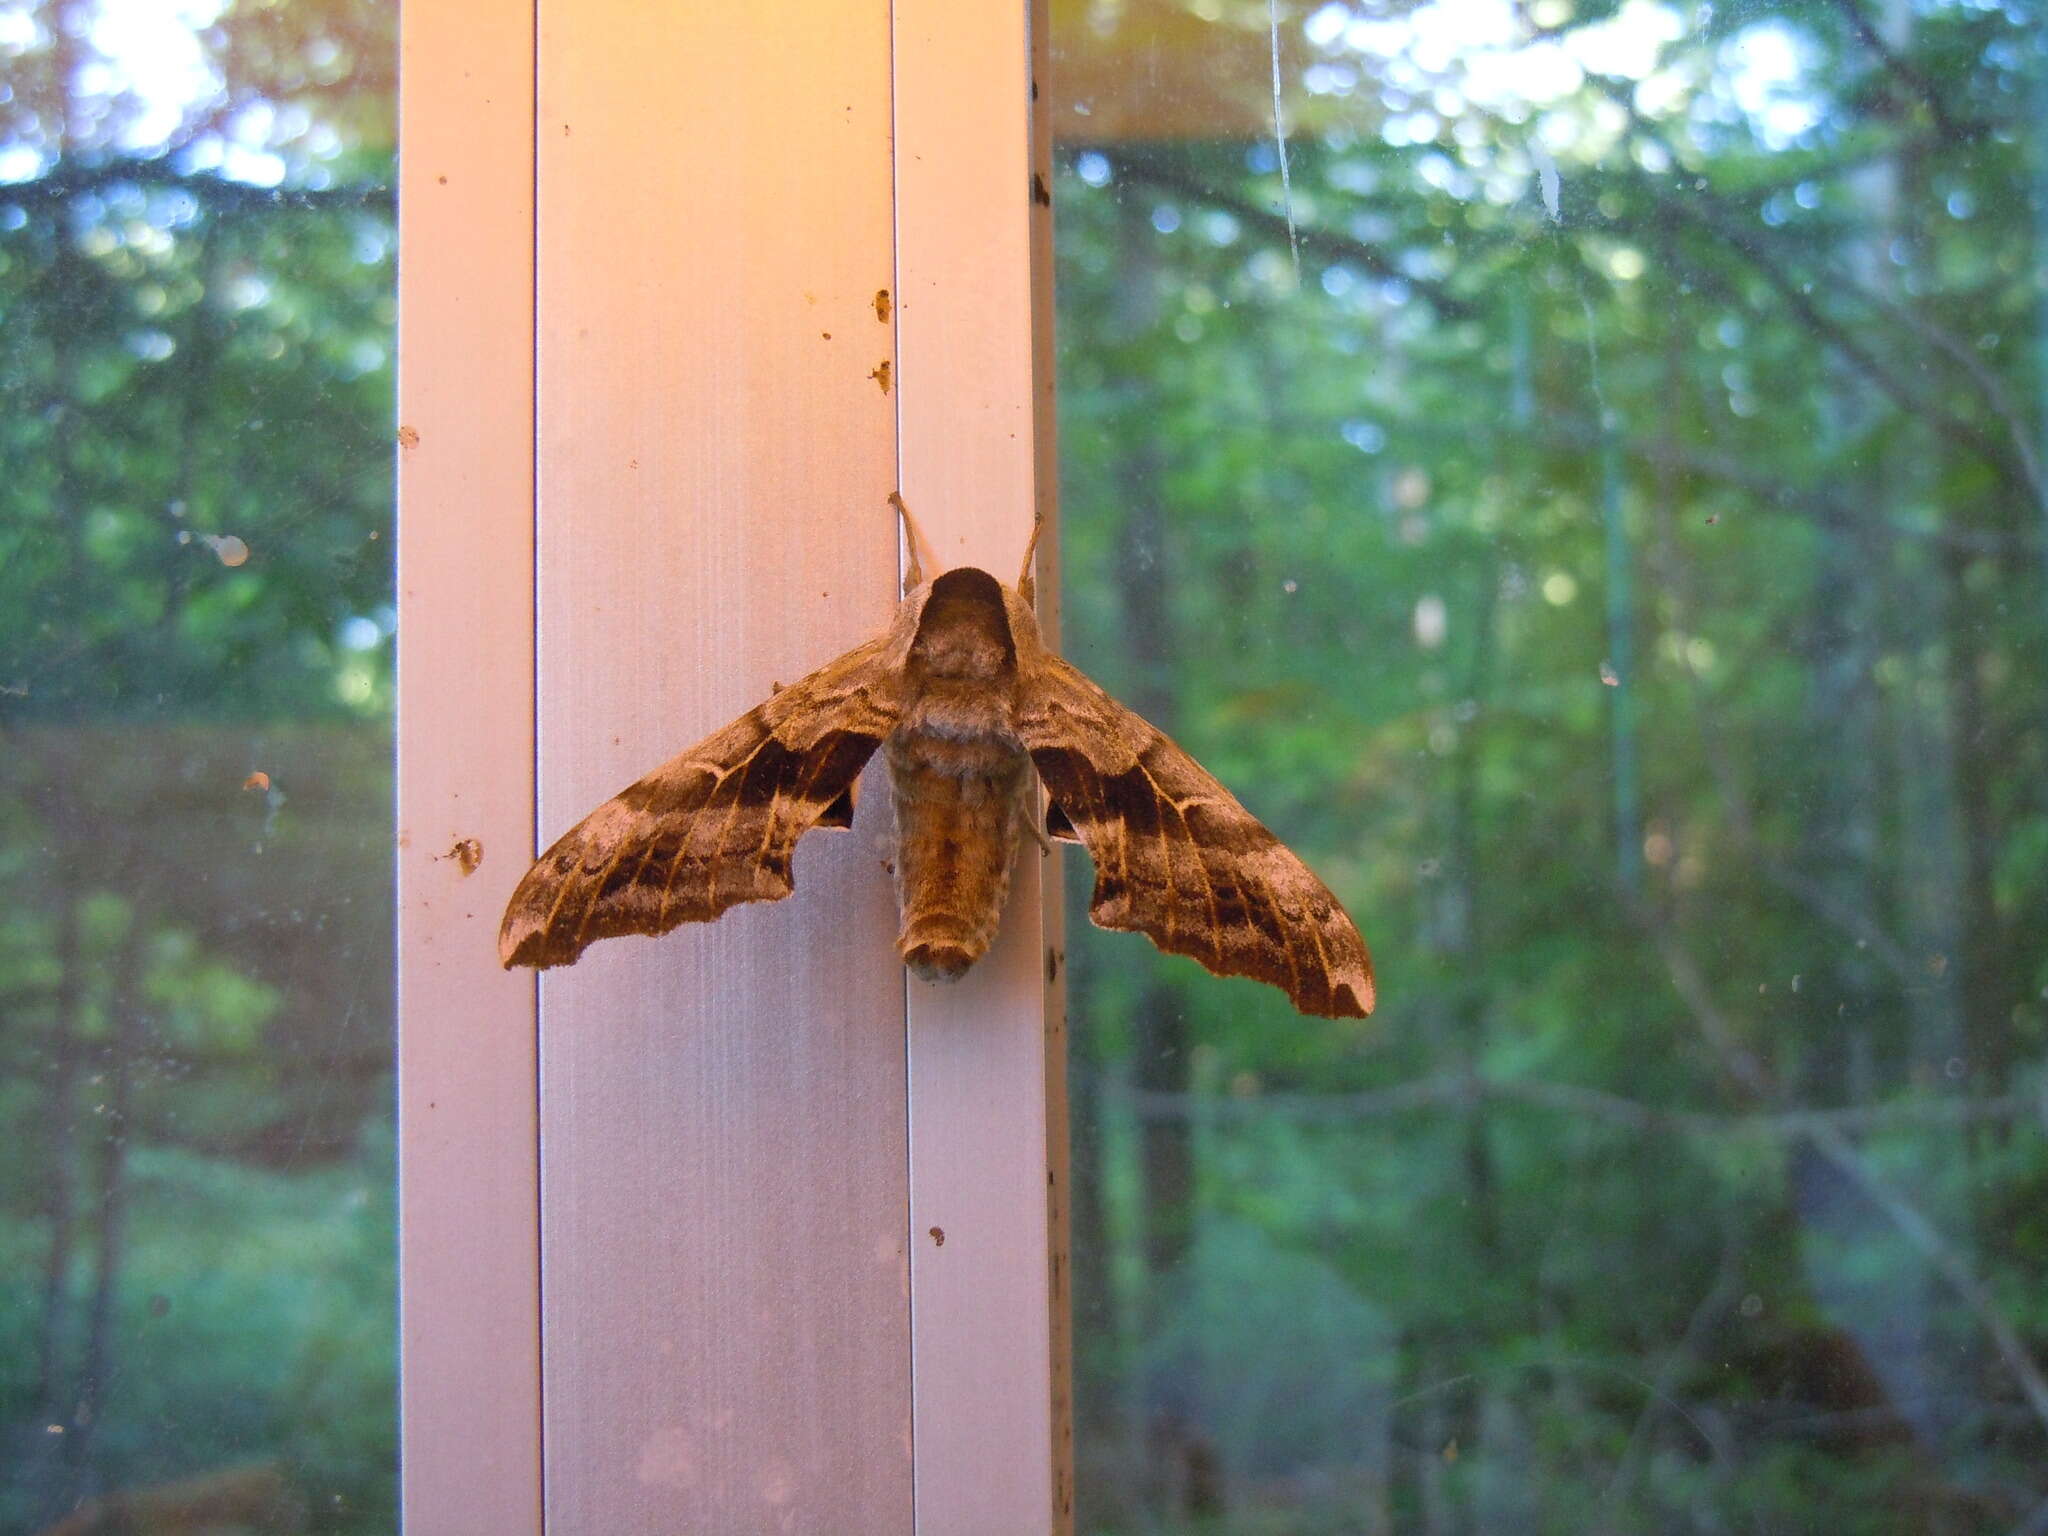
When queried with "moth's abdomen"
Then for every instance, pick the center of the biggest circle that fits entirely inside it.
(960, 808)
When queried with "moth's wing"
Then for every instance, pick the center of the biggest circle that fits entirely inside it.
(714, 827)
(1178, 859)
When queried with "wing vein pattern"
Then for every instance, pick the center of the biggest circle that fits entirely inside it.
(712, 827)
(1178, 859)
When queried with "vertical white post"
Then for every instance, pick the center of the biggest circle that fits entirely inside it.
(610, 546)
(723, 1143)
(468, 1138)
(987, 1098)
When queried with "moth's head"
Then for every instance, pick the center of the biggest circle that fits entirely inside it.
(962, 624)
(963, 628)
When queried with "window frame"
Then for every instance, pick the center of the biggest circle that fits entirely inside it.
(568, 620)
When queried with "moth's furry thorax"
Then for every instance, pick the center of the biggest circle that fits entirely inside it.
(963, 630)
(960, 671)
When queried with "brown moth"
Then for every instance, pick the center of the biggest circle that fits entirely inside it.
(967, 706)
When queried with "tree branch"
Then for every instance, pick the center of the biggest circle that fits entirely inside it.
(1827, 1137)
(1313, 240)
(1952, 131)
(1704, 213)
(67, 180)
(1462, 1092)
(1740, 474)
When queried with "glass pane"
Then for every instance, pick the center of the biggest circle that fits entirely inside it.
(196, 1206)
(1575, 469)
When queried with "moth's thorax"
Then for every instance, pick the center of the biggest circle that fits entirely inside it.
(960, 691)
(960, 671)
(963, 633)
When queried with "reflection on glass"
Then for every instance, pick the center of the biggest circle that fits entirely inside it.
(1577, 470)
(196, 1223)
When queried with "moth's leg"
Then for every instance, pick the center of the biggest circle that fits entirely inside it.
(914, 537)
(1027, 583)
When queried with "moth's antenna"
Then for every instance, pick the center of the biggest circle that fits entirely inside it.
(914, 537)
(1027, 583)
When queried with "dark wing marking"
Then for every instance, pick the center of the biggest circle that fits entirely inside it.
(1178, 859)
(714, 827)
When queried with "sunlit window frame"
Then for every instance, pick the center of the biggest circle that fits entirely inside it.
(505, 516)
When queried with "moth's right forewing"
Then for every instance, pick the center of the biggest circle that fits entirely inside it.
(1177, 858)
(713, 827)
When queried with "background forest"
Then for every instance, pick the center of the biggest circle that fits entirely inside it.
(196, 1201)
(1588, 496)
(1575, 468)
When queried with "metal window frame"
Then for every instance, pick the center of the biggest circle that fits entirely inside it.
(667, 1252)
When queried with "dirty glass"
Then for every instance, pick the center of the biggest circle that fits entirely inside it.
(1575, 469)
(196, 1212)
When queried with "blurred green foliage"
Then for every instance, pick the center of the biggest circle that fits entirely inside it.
(1616, 562)
(195, 689)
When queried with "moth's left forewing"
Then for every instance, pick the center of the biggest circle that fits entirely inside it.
(713, 827)
(1177, 858)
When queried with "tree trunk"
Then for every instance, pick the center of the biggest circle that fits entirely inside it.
(1620, 672)
(1159, 1035)
(1436, 1454)
(1986, 986)
(110, 1224)
(60, 1174)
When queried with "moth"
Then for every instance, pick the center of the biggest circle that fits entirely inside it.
(973, 715)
